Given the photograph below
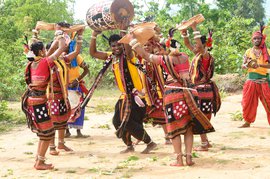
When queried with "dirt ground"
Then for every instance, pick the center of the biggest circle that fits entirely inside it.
(236, 153)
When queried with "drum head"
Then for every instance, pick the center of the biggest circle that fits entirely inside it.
(121, 9)
(252, 63)
(197, 18)
(142, 32)
(74, 98)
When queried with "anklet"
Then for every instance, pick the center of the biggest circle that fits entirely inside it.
(40, 158)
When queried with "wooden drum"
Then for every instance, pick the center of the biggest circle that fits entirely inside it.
(108, 14)
(184, 25)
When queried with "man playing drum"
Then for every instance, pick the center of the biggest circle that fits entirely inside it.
(129, 108)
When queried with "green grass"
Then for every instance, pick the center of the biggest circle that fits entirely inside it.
(105, 126)
(28, 153)
(112, 92)
(93, 170)
(71, 171)
(223, 161)
(13, 118)
(237, 116)
(229, 148)
(223, 93)
(103, 101)
(11, 115)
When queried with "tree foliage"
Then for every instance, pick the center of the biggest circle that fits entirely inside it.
(232, 20)
(18, 17)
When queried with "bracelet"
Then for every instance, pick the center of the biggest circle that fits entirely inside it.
(136, 45)
(196, 32)
(133, 42)
(185, 36)
(58, 32)
(125, 31)
(77, 80)
(79, 36)
(93, 37)
(35, 31)
(197, 36)
(79, 41)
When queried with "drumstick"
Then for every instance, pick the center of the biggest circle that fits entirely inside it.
(90, 93)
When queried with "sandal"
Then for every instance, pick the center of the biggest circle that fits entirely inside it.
(189, 161)
(177, 163)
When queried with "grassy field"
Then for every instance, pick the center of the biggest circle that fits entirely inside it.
(103, 101)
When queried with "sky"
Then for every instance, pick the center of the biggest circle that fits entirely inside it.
(81, 7)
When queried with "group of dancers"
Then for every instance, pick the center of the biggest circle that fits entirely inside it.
(157, 83)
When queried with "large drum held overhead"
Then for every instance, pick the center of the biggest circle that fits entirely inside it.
(106, 15)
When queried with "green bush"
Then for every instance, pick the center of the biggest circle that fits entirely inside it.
(3, 110)
(10, 117)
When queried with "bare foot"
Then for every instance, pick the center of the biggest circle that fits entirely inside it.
(80, 135)
(54, 152)
(62, 146)
(201, 148)
(149, 147)
(179, 161)
(67, 134)
(43, 166)
(127, 150)
(189, 160)
(245, 125)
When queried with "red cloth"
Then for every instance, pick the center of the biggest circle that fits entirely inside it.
(251, 93)
(205, 63)
(42, 72)
(257, 34)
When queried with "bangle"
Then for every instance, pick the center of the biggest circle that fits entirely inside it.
(79, 36)
(133, 42)
(136, 45)
(79, 41)
(197, 36)
(185, 36)
(77, 80)
(93, 37)
(58, 32)
(125, 31)
(196, 32)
